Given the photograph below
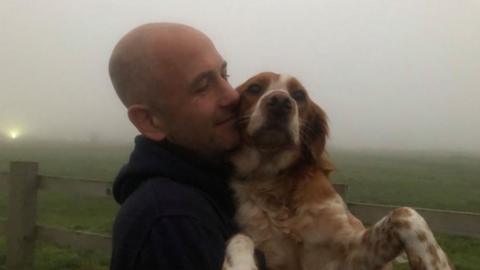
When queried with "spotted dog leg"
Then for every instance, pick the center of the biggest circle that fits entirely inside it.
(402, 230)
(239, 254)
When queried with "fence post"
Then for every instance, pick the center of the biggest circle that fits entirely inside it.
(21, 215)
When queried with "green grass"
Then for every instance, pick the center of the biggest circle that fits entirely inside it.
(432, 180)
(76, 212)
(72, 211)
(49, 256)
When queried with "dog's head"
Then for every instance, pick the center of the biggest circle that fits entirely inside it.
(279, 124)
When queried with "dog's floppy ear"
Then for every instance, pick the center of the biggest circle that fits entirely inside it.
(314, 134)
(241, 88)
(326, 165)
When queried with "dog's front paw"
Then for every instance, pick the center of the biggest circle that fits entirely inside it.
(239, 254)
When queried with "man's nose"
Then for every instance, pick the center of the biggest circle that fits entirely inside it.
(229, 97)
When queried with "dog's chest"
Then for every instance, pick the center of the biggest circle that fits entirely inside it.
(264, 212)
(267, 216)
(269, 222)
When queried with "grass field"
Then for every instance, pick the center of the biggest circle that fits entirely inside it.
(422, 179)
(433, 180)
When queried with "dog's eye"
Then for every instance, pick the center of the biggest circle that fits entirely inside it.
(298, 95)
(254, 89)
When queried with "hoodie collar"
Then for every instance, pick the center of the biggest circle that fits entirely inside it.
(151, 159)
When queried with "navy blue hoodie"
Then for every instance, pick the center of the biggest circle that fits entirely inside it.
(176, 211)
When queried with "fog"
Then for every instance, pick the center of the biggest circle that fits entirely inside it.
(389, 74)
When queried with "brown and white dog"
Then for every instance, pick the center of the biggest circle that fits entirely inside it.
(287, 206)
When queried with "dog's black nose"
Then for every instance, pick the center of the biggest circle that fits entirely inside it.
(279, 104)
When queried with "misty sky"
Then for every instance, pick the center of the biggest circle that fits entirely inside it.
(389, 73)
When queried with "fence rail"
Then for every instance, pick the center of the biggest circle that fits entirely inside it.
(64, 237)
(82, 186)
(75, 185)
(76, 239)
(451, 222)
(21, 230)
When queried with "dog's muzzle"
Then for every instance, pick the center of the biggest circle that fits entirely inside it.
(279, 105)
(278, 109)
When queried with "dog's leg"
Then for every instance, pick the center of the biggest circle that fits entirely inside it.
(402, 229)
(239, 254)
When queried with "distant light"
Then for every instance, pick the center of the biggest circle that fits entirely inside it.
(13, 134)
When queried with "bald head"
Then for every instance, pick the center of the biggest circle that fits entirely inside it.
(146, 57)
(174, 83)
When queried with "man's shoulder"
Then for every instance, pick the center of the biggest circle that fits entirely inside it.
(158, 213)
(162, 197)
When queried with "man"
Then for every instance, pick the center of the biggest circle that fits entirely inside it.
(176, 207)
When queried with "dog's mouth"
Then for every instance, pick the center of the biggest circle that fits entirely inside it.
(272, 137)
(273, 124)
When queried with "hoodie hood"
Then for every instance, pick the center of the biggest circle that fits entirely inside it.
(152, 159)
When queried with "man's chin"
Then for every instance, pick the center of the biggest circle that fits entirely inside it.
(232, 142)
(229, 140)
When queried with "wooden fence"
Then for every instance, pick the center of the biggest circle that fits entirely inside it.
(21, 230)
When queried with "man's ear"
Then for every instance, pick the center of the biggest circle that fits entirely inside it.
(147, 123)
